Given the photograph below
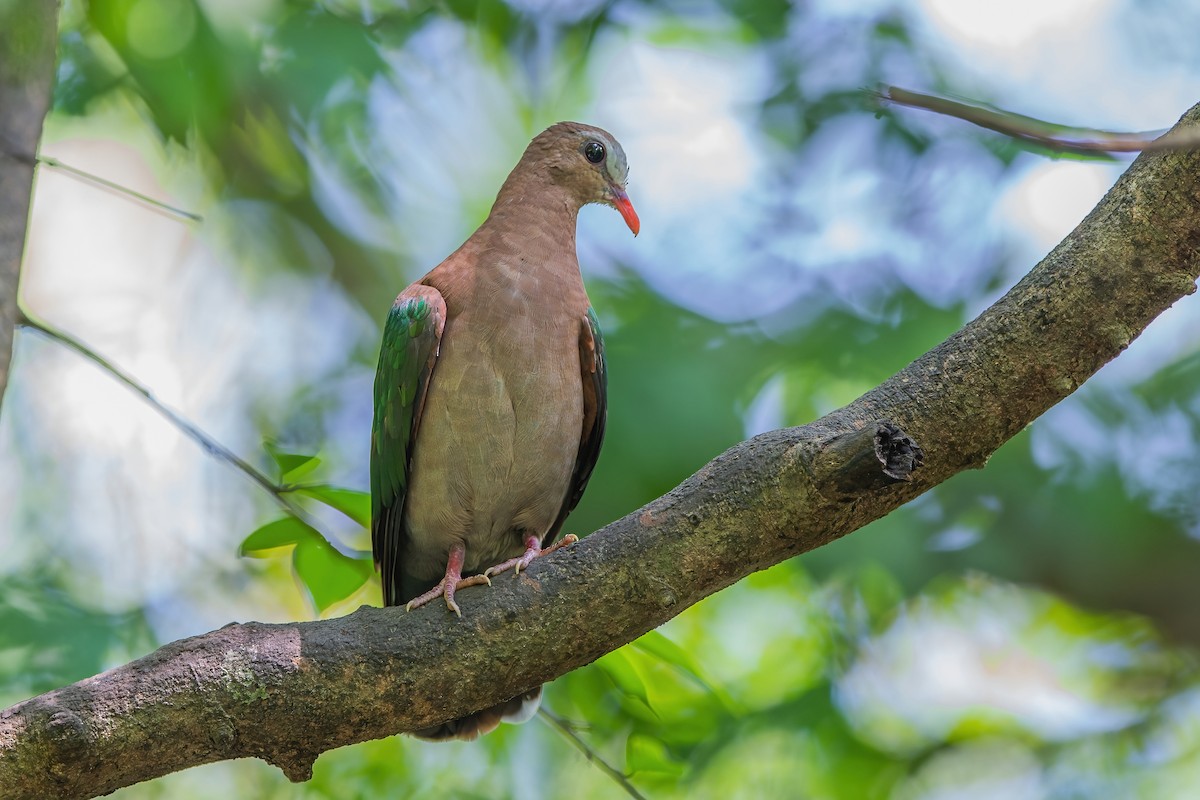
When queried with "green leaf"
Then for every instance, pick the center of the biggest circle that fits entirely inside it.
(621, 671)
(310, 37)
(659, 646)
(647, 754)
(489, 16)
(81, 75)
(354, 504)
(666, 650)
(328, 575)
(292, 466)
(301, 470)
(280, 533)
(189, 78)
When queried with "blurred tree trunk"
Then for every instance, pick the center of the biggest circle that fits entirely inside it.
(28, 33)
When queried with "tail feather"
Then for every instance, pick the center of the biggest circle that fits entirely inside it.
(519, 709)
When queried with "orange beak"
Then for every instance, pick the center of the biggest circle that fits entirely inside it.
(621, 201)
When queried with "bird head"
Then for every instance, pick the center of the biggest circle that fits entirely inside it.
(589, 162)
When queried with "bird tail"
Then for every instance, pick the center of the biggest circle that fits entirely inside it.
(519, 709)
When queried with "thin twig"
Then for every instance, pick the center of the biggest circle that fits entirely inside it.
(185, 426)
(1047, 134)
(116, 187)
(563, 727)
(7, 149)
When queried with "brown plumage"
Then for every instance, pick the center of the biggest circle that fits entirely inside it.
(490, 394)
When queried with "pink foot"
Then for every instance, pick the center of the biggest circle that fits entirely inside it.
(533, 550)
(448, 585)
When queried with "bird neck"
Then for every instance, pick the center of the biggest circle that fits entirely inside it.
(533, 204)
(527, 244)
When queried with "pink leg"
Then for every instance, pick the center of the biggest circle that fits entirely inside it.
(450, 583)
(533, 549)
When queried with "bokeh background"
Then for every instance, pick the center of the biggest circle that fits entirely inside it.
(1025, 631)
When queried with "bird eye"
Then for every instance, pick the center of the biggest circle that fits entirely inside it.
(594, 152)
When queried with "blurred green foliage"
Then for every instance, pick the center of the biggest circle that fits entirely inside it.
(48, 637)
(980, 640)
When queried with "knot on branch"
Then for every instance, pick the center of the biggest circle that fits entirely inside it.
(899, 454)
(296, 767)
(877, 455)
(69, 735)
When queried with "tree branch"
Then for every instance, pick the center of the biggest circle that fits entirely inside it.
(286, 693)
(1050, 135)
(27, 39)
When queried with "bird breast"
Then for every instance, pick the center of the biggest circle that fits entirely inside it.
(498, 438)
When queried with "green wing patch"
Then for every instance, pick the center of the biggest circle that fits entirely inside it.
(406, 358)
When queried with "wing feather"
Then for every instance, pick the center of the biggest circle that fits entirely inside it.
(594, 374)
(411, 339)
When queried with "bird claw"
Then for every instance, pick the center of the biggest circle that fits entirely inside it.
(447, 589)
(452, 581)
(532, 551)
